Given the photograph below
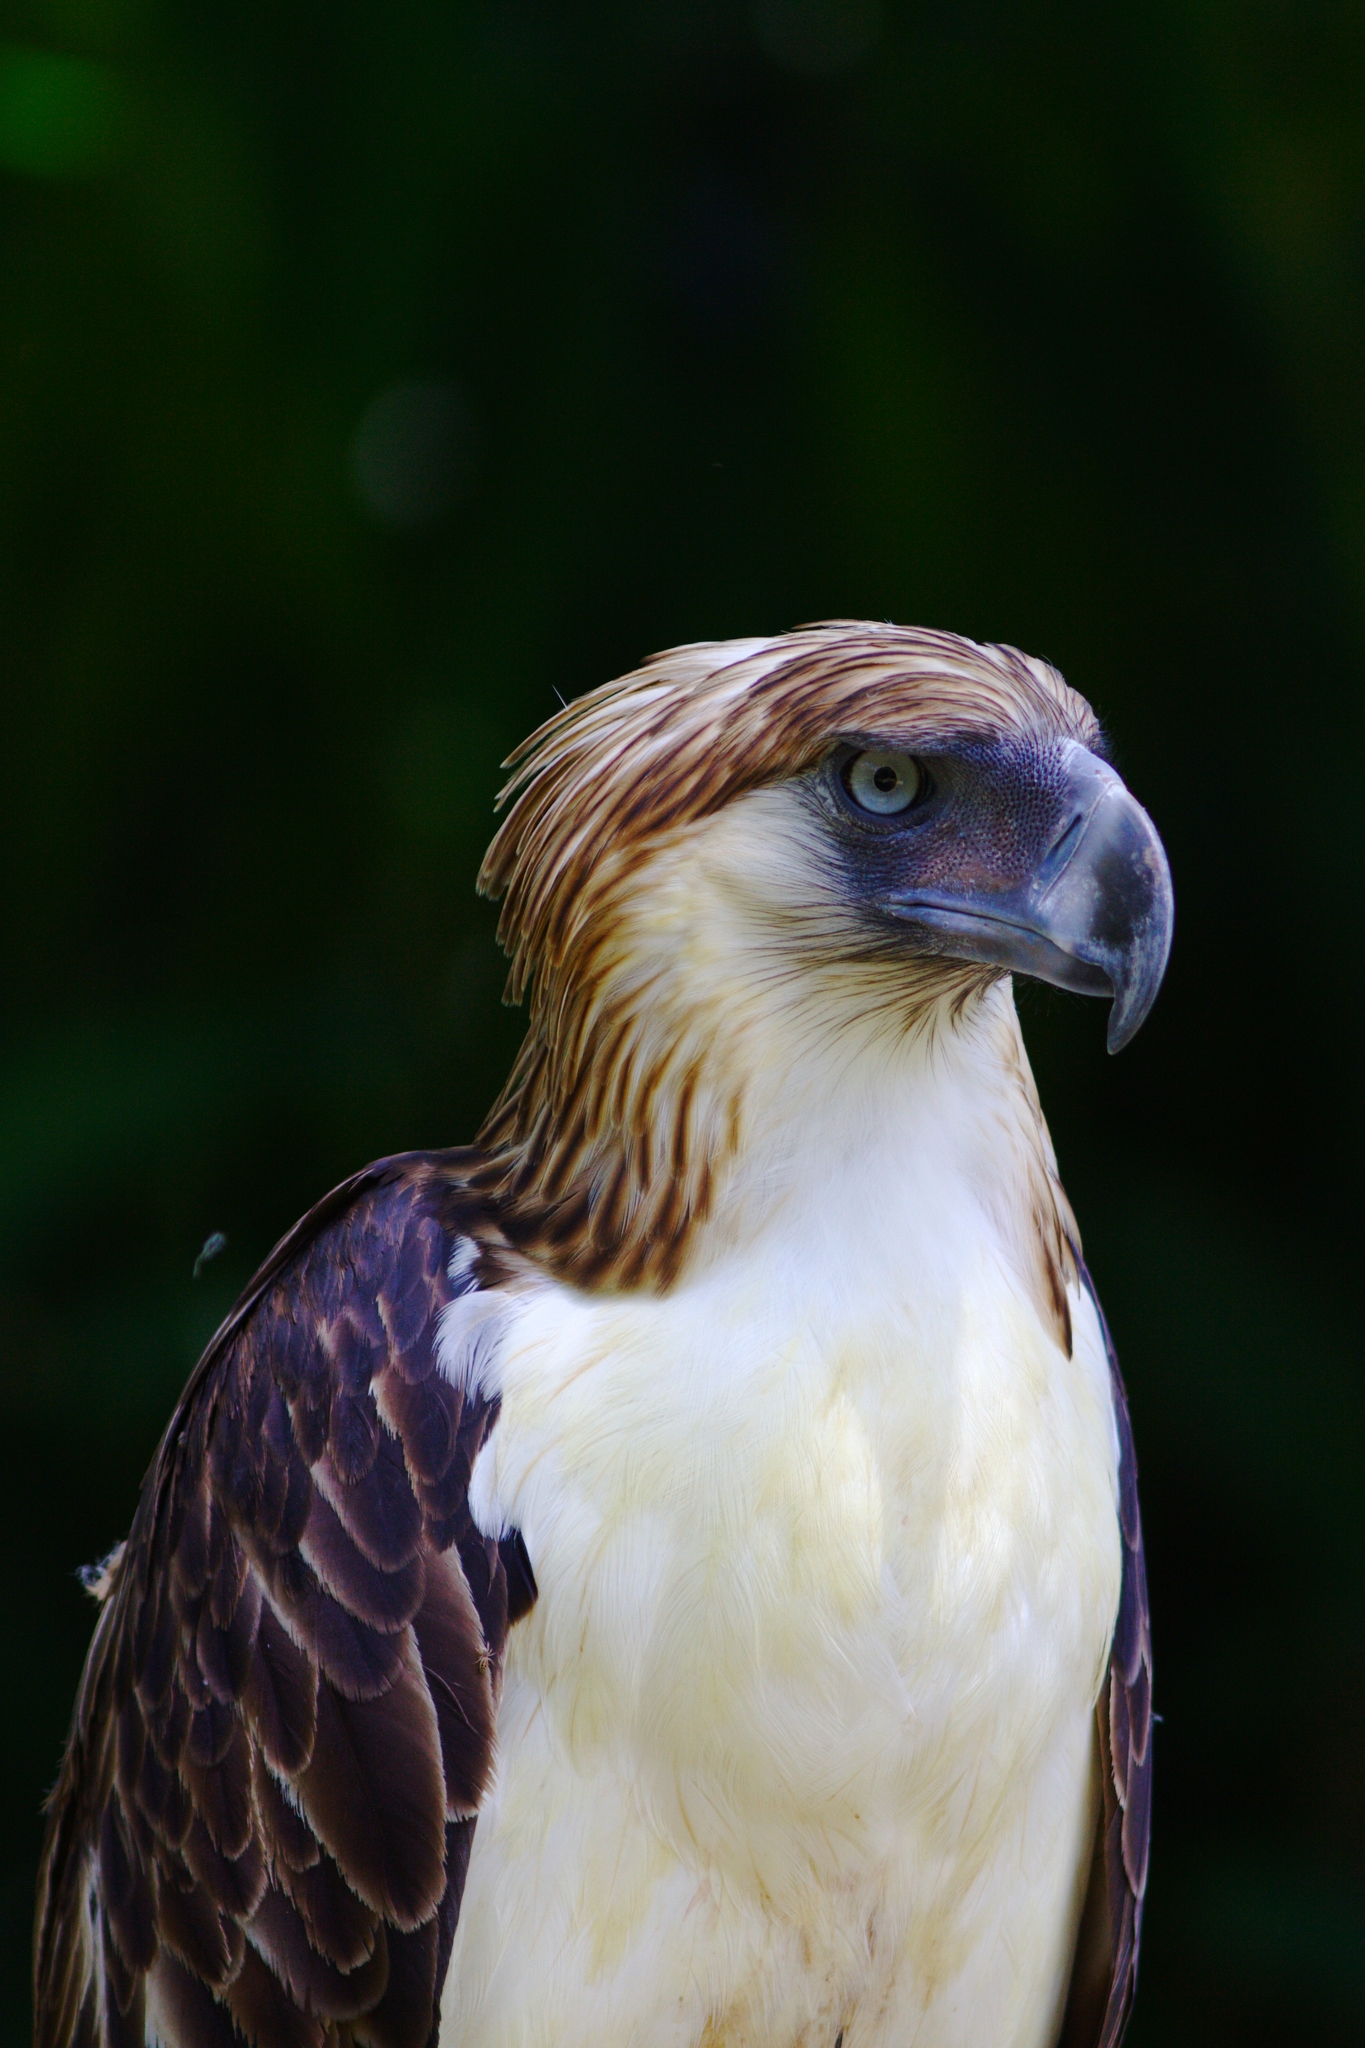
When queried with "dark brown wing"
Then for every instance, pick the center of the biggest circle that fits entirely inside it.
(285, 1724)
(1105, 1970)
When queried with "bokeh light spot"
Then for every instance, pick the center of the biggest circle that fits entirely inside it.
(59, 116)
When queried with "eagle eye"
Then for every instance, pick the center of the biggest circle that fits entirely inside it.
(883, 782)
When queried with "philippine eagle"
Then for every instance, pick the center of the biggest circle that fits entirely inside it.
(669, 1575)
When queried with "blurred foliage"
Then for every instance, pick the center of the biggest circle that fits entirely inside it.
(372, 373)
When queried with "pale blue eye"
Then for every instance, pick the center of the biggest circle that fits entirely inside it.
(882, 782)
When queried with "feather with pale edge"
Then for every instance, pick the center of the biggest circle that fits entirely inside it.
(1105, 1970)
(285, 1728)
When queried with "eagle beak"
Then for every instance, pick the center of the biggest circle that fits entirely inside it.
(1095, 915)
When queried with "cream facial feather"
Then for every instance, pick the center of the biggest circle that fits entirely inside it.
(655, 910)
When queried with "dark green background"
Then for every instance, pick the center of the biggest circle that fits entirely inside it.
(1039, 322)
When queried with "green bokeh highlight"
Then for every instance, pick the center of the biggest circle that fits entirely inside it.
(59, 116)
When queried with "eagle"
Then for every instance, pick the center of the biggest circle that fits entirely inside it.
(669, 1575)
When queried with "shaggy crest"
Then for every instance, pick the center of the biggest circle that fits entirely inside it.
(678, 738)
(604, 1146)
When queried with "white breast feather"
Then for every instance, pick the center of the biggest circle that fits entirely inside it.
(798, 1737)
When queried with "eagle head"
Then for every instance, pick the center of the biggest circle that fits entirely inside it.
(751, 853)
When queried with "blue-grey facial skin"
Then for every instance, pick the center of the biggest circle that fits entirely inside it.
(1027, 856)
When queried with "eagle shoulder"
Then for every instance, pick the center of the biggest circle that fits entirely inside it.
(285, 1726)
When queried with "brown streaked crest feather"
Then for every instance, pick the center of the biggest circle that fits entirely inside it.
(285, 1725)
(678, 738)
(605, 1145)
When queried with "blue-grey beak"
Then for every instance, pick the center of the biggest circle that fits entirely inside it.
(1095, 916)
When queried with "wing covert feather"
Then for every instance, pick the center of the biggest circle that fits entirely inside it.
(1105, 1970)
(286, 1721)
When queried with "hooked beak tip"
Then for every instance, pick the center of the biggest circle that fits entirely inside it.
(1142, 966)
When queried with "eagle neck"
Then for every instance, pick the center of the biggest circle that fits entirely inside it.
(647, 1132)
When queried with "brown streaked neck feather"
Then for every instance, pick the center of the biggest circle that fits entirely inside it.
(621, 1169)
(652, 1012)
(665, 1095)
(625, 1103)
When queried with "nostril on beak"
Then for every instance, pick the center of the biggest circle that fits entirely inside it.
(1063, 845)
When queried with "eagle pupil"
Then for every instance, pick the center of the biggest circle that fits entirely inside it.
(886, 779)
